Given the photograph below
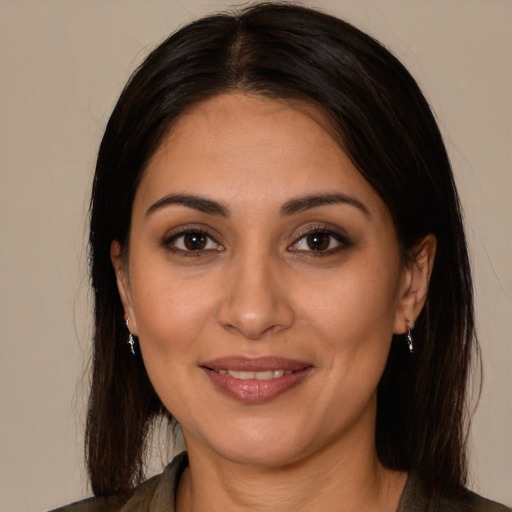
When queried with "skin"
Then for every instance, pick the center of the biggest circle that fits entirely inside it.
(257, 288)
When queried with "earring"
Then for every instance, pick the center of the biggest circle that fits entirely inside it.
(410, 326)
(131, 340)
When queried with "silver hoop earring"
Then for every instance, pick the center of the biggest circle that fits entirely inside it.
(131, 340)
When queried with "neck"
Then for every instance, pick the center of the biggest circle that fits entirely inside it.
(345, 476)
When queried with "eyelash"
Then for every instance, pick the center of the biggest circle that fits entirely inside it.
(343, 242)
(169, 242)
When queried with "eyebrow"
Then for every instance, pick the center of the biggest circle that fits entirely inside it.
(195, 202)
(291, 207)
(305, 203)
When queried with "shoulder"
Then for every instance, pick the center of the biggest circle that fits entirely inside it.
(154, 494)
(140, 496)
(91, 505)
(469, 501)
(418, 497)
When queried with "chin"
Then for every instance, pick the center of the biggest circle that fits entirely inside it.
(259, 445)
(264, 456)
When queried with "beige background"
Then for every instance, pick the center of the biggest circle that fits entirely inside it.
(62, 65)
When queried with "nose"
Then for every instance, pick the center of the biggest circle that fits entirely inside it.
(255, 301)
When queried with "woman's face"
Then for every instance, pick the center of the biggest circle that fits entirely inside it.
(264, 282)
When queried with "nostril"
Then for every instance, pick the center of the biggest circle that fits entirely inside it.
(252, 304)
(255, 325)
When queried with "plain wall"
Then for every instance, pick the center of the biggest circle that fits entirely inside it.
(62, 66)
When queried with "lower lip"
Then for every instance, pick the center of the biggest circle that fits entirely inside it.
(253, 391)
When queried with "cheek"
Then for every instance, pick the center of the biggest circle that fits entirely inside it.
(172, 317)
(355, 302)
(352, 316)
(171, 311)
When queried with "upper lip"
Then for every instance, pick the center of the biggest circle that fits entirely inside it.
(248, 364)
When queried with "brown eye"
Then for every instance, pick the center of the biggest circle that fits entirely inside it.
(192, 242)
(318, 241)
(195, 241)
(321, 242)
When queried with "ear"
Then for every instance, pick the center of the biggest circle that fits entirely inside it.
(123, 284)
(414, 283)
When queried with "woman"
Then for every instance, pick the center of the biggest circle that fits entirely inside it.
(279, 265)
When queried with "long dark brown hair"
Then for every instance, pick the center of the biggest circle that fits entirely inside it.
(387, 129)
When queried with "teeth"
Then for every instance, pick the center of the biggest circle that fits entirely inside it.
(265, 375)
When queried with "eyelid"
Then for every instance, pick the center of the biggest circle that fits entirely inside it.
(339, 235)
(176, 233)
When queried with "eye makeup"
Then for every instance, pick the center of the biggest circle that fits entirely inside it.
(320, 241)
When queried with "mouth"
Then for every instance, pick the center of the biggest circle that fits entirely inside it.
(260, 375)
(255, 381)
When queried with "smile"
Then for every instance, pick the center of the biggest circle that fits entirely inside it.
(255, 380)
(260, 375)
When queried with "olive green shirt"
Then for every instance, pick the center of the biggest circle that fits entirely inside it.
(158, 495)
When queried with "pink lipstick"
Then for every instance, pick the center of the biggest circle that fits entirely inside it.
(255, 380)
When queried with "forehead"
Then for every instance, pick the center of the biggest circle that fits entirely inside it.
(247, 147)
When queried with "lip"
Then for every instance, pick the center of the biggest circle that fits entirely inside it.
(254, 391)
